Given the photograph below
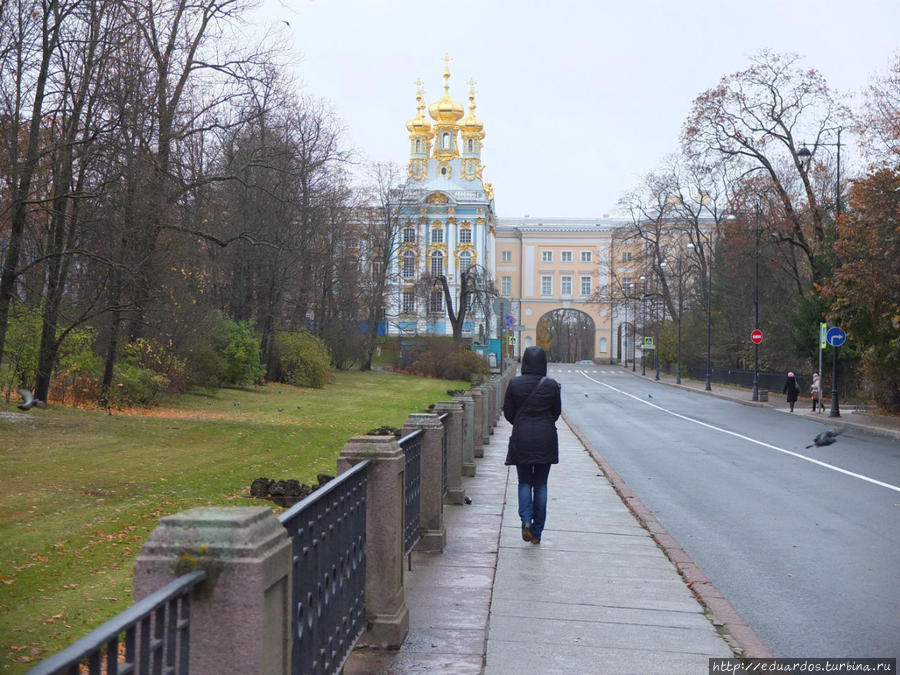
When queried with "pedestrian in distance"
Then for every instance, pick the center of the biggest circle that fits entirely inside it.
(792, 390)
(815, 391)
(532, 405)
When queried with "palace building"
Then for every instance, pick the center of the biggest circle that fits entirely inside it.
(538, 265)
(449, 215)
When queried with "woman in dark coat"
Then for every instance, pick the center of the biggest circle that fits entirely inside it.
(792, 390)
(532, 405)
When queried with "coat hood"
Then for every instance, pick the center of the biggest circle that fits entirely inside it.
(534, 361)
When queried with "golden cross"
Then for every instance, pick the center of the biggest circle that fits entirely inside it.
(447, 59)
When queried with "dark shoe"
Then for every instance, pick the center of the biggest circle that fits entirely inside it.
(526, 533)
(535, 540)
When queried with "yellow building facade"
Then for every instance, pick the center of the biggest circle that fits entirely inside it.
(587, 265)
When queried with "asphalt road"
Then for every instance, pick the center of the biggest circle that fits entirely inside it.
(804, 543)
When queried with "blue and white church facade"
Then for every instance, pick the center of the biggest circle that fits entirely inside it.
(447, 218)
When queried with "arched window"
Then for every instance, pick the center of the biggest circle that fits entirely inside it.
(471, 145)
(409, 265)
(418, 145)
(603, 348)
(437, 264)
(465, 262)
(436, 302)
(445, 141)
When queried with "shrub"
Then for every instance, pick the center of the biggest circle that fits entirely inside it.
(23, 337)
(446, 360)
(205, 362)
(241, 353)
(146, 372)
(303, 359)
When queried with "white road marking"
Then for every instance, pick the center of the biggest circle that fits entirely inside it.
(751, 440)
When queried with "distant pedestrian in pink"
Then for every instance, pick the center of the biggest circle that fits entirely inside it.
(792, 390)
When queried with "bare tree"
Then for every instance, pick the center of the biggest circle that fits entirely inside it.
(476, 292)
(384, 223)
(758, 120)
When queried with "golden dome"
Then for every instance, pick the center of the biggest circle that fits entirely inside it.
(471, 125)
(446, 110)
(419, 125)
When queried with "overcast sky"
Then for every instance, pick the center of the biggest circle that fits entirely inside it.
(579, 100)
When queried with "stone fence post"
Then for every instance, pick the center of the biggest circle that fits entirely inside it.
(478, 424)
(485, 414)
(456, 492)
(241, 619)
(433, 536)
(468, 451)
(387, 615)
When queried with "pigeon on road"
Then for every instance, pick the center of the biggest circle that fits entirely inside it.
(827, 437)
(28, 400)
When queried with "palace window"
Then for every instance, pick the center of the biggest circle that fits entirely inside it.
(546, 286)
(471, 145)
(465, 235)
(586, 256)
(465, 262)
(546, 256)
(445, 141)
(506, 256)
(418, 145)
(437, 235)
(409, 265)
(626, 256)
(506, 286)
(585, 286)
(409, 235)
(436, 302)
(566, 256)
(566, 285)
(408, 302)
(437, 264)
(377, 267)
(627, 285)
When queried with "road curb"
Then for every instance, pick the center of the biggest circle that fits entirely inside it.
(742, 639)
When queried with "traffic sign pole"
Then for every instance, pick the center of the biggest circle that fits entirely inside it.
(835, 338)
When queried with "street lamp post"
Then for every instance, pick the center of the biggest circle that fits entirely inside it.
(680, 295)
(755, 396)
(634, 341)
(805, 154)
(643, 328)
(656, 335)
(625, 337)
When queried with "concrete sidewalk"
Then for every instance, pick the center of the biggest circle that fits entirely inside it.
(596, 596)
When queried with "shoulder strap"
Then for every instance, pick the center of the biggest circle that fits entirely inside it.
(530, 396)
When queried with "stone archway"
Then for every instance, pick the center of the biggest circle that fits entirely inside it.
(567, 335)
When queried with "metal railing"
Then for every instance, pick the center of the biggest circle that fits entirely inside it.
(156, 637)
(774, 382)
(411, 444)
(328, 537)
(445, 433)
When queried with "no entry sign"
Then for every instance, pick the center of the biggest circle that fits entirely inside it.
(756, 336)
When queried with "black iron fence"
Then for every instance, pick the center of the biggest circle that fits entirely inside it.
(328, 533)
(151, 636)
(411, 444)
(774, 382)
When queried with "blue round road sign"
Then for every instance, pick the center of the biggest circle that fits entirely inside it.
(835, 336)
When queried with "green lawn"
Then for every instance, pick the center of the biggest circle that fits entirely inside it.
(81, 490)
